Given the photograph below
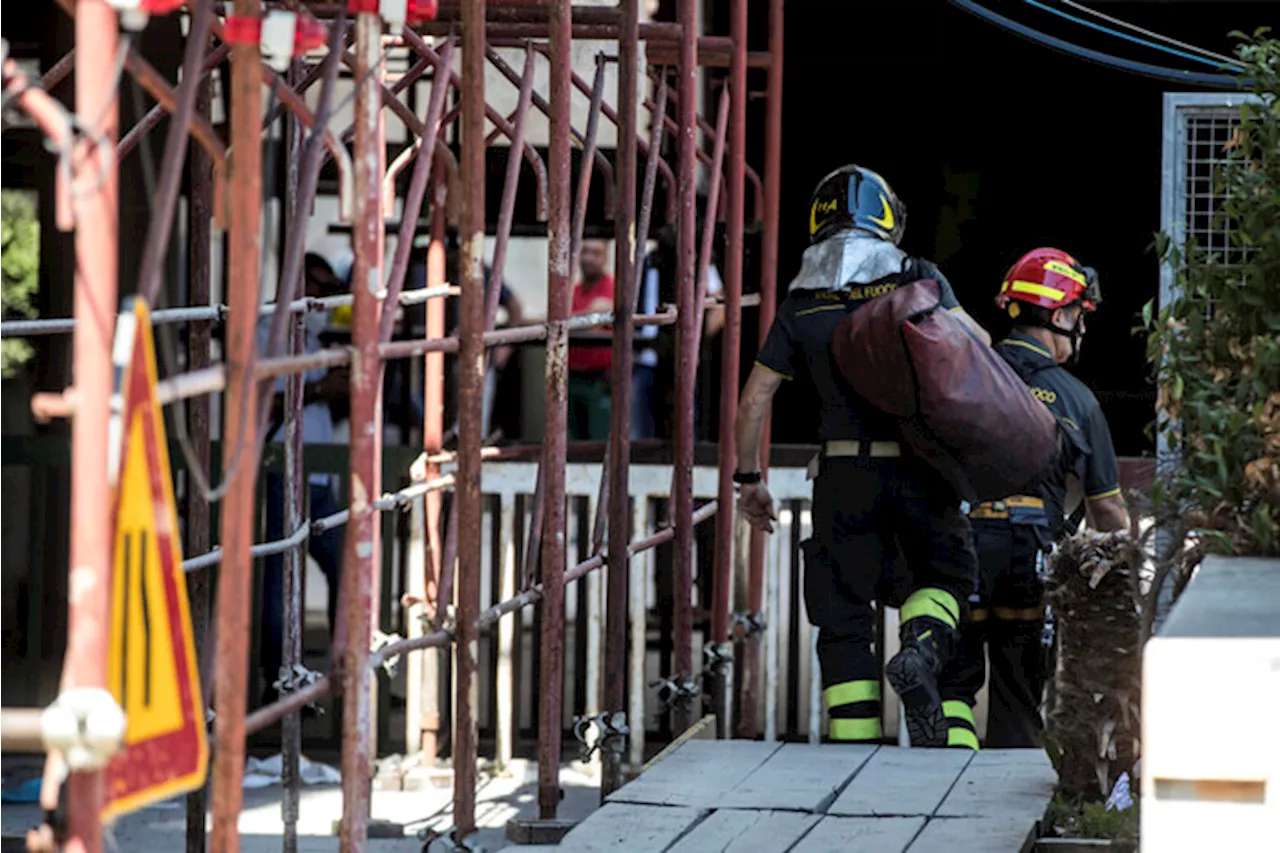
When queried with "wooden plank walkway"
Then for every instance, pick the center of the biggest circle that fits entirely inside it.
(753, 797)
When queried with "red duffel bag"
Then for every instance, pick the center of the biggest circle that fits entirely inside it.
(963, 408)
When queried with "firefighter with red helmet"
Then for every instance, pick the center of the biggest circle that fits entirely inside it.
(872, 498)
(1047, 295)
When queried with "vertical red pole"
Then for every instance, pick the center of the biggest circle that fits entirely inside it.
(240, 425)
(471, 361)
(555, 437)
(619, 457)
(199, 254)
(686, 357)
(747, 726)
(96, 218)
(432, 443)
(732, 336)
(359, 570)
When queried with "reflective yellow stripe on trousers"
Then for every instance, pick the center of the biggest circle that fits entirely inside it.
(847, 693)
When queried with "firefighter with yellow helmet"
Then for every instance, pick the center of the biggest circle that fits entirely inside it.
(872, 497)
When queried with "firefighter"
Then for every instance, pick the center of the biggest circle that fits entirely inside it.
(1047, 295)
(871, 498)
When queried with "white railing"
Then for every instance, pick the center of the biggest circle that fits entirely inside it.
(790, 703)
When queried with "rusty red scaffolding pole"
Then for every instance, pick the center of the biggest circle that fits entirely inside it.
(554, 438)
(240, 426)
(199, 356)
(747, 726)
(361, 561)
(619, 456)
(731, 341)
(471, 360)
(96, 220)
(433, 443)
(686, 363)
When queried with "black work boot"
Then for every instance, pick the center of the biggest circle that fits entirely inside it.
(913, 673)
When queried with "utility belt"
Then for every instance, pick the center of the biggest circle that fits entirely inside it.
(845, 448)
(1018, 509)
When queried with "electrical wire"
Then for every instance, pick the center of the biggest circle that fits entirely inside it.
(1100, 28)
(1137, 29)
(1158, 72)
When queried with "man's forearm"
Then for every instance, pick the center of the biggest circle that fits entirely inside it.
(753, 406)
(746, 433)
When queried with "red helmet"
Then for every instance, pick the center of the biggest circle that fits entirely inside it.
(1048, 278)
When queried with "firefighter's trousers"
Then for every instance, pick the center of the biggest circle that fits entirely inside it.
(867, 510)
(1006, 626)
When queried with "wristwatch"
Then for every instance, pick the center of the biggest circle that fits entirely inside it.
(748, 479)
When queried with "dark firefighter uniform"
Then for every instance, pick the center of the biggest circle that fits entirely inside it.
(1012, 537)
(871, 500)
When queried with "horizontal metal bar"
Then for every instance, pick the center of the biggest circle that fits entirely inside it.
(21, 730)
(520, 334)
(291, 704)
(212, 379)
(294, 702)
(216, 313)
(444, 636)
(394, 500)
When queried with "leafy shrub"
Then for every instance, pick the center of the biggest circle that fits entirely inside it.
(20, 264)
(1216, 346)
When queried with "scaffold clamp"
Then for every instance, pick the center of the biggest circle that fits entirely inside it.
(717, 655)
(295, 679)
(380, 641)
(610, 728)
(86, 725)
(447, 841)
(743, 625)
(677, 690)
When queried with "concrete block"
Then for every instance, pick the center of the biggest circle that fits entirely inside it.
(521, 830)
(1211, 734)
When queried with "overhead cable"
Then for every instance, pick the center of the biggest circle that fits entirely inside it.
(1223, 63)
(1158, 72)
(1138, 29)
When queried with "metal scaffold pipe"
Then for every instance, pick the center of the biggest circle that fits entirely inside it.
(627, 247)
(96, 246)
(553, 461)
(686, 359)
(722, 588)
(239, 437)
(470, 402)
(359, 601)
(768, 305)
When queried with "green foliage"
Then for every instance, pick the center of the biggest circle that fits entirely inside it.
(1216, 347)
(1073, 819)
(20, 264)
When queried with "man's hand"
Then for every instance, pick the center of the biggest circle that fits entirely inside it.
(757, 506)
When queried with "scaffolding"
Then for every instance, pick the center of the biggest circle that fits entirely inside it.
(226, 191)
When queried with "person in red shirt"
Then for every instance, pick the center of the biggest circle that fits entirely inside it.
(589, 364)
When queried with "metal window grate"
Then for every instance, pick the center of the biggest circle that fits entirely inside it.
(1206, 135)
